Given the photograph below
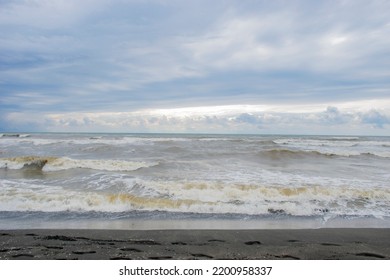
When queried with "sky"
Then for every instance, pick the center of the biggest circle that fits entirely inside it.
(248, 66)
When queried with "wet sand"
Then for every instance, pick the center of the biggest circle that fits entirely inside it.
(306, 244)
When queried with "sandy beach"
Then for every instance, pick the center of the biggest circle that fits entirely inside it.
(306, 244)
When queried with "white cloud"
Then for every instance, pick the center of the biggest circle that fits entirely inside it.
(220, 119)
(236, 43)
(278, 41)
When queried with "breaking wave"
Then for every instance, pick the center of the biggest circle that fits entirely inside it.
(199, 198)
(285, 153)
(14, 135)
(63, 163)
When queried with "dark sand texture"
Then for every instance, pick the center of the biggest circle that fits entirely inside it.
(317, 244)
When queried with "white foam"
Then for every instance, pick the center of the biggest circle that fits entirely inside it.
(109, 165)
(24, 135)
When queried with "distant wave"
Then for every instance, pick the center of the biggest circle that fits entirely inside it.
(285, 153)
(14, 135)
(344, 138)
(303, 142)
(63, 163)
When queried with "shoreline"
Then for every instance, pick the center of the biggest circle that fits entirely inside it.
(271, 244)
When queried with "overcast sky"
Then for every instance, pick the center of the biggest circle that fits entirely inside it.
(304, 67)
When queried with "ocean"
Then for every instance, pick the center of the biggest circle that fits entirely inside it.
(193, 181)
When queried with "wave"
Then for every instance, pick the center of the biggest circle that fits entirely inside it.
(343, 138)
(16, 135)
(302, 142)
(298, 153)
(120, 141)
(198, 197)
(64, 163)
(285, 154)
(331, 142)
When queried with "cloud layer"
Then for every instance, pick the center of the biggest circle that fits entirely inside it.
(100, 65)
(221, 119)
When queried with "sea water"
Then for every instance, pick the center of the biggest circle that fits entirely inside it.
(151, 181)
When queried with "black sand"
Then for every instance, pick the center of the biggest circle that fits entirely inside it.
(316, 244)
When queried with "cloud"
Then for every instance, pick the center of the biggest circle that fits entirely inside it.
(316, 39)
(48, 14)
(223, 119)
(248, 118)
(375, 118)
(66, 58)
(332, 115)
